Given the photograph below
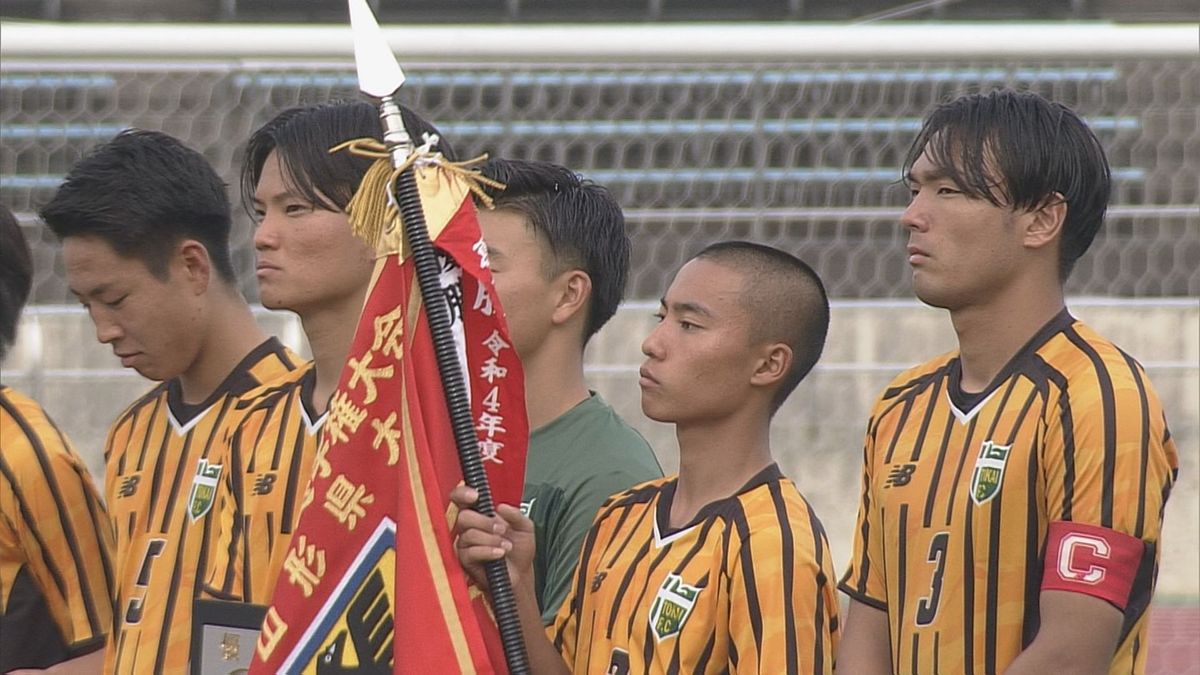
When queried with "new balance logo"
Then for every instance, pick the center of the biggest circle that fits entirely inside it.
(264, 483)
(128, 486)
(900, 475)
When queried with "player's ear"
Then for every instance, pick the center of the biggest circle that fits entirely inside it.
(773, 365)
(1044, 223)
(574, 288)
(192, 257)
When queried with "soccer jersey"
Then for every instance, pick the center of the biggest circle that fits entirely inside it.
(274, 444)
(745, 587)
(961, 495)
(55, 570)
(164, 462)
(575, 462)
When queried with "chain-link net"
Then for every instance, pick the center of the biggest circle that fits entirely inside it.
(804, 156)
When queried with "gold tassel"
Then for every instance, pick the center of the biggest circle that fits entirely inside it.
(372, 214)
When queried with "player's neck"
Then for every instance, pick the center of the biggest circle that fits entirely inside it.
(231, 334)
(554, 381)
(715, 461)
(991, 333)
(330, 332)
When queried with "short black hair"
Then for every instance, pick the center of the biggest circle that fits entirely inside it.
(143, 192)
(303, 136)
(1016, 149)
(16, 277)
(786, 301)
(580, 222)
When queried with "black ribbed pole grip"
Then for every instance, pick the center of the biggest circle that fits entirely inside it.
(459, 406)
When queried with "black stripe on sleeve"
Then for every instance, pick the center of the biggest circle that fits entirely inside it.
(250, 463)
(788, 560)
(288, 418)
(746, 560)
(902, 561)
(158, 396)
(819, 621)
(98, 519)
(1066, 422)
(930, 408)
(245, 562)
(31, 525)
(1108, 408)
(904, 411)
(233, 483)
(64, 519)
(579, 588)
(1140, 527)
(864, 534)
(293, 482)
(1142, 589)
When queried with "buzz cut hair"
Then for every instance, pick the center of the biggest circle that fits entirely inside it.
(786, 302)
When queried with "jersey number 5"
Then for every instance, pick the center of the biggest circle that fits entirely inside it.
(133, 612)
(927, 606)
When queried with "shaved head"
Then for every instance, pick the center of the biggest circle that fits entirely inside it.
(785, 300)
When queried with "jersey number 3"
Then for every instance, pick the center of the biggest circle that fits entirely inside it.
(927, 606)
(133, 612)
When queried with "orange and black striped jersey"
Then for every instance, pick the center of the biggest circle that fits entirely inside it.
(273, 444)
(164, 461)
(56, 575)
(746, 587)
(960, 491)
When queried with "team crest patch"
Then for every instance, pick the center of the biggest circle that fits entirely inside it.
(672, 606)
(204, 489)
(989, 472)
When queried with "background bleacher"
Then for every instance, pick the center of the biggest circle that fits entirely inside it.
(804, 156)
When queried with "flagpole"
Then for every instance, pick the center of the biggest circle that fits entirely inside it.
(382, 79)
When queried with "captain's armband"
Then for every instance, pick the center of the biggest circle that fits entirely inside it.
(1091, 560)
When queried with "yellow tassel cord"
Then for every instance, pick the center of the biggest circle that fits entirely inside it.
(372, 213)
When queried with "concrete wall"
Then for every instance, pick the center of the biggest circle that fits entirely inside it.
(818, 433)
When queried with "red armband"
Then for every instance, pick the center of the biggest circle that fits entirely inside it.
(1092, 560)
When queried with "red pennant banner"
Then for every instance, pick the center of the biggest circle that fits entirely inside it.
(371, 583)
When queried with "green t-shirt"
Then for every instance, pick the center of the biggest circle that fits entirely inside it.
(576, 462)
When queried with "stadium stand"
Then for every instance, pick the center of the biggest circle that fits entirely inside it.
(806, 155)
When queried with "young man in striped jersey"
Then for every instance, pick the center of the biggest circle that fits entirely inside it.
(144, 223)
(55, 538)
(309, 262)
(1013, 490)
(723, 568)
(559, 254)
